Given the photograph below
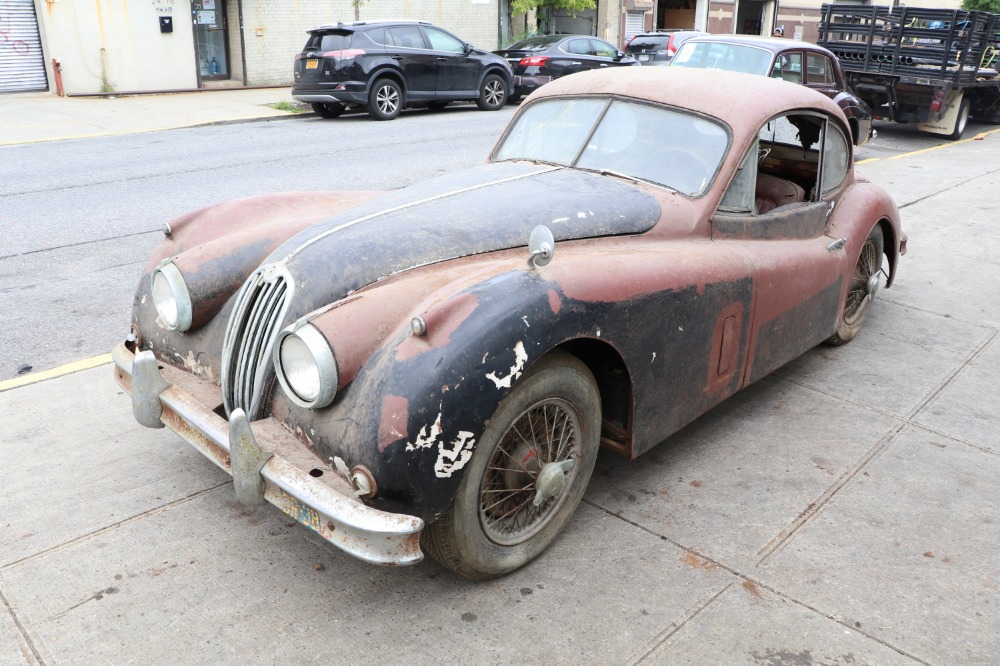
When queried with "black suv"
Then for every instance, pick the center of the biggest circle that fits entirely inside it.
(386, 65)
(658, 48)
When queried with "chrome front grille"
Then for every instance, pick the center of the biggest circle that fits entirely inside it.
(254, 324)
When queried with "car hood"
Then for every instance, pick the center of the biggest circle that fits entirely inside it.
(484, 209)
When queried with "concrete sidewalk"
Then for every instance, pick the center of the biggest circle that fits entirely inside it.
(33, 117)
(845, 510)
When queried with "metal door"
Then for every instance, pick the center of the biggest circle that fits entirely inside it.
(22, 67)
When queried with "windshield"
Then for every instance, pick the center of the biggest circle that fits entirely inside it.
(663, 146)
(731, 57)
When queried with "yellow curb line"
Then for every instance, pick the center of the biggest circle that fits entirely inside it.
(978, 137)
(99, 135)
(69, 368)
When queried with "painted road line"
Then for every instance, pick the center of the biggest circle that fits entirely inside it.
(978, 137)
(69, 368)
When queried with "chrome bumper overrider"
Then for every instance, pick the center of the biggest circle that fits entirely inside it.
(259, 475)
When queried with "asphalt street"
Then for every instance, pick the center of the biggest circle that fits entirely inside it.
(841, 511)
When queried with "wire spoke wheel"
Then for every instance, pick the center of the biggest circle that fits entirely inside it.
(859, 295)
(861, 290)
(544, 434)
(527, 475)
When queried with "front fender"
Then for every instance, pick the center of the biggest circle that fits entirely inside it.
(861, 207)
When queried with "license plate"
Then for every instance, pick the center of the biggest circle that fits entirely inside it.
(643, 58)
(312, 63)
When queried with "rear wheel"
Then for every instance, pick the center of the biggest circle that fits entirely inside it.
(492, 93)
(527, 475)
(865, 282)
(961, 121)
(327, 109)
(385, 100)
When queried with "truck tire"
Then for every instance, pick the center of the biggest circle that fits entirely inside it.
(961, 121)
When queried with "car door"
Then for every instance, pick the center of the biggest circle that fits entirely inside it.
(418, 63)
(572, 56)
(775, 213)
(607, 55)
(456, 71)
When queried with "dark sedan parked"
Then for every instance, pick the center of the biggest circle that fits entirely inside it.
(386, 65)
(797, 62)
(538, 60)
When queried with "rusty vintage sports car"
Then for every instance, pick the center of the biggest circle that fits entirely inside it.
(435, 368)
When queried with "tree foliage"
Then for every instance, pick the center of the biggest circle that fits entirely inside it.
(982, 5)
(524, 6)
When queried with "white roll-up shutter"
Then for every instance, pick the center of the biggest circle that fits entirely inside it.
(22, 66)
(634, 24)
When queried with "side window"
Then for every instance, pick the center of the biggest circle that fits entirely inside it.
(406, 36)
(376, 35)
(740, 197)
(820, 69)
(788, 161)
(578, 46)
(442, 41)
(602, 49)
(836, 158)
(788, 66)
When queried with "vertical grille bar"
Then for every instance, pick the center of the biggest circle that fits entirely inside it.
(253, 326)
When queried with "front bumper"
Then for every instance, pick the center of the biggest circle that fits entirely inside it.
(282, 471)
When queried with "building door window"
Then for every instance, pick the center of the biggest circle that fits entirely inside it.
(211, 39)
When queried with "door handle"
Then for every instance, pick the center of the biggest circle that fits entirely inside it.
(837, 244)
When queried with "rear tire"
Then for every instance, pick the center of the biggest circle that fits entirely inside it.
(328, 109)
(551, 416)
(961, 121)
(385, 100)
(860, 293)
(492, 93)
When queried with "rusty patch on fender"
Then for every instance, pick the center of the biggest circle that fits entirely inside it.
(392, 426)
(554, 301)
(442, 320)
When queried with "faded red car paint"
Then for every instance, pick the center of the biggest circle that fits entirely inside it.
(671, 303)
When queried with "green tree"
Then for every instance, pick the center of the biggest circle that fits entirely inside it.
(543, 8)
(982, 5)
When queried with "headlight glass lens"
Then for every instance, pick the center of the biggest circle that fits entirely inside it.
(306, 367)
(300, 368)
(164, 300)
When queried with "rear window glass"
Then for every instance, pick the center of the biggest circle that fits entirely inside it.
(649, 43)
(535, 43)
(329, 41)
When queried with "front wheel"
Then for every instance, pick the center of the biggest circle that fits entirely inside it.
(492, 93)
(327, 109)
(865, 282)
(527, 475)
(385, 100)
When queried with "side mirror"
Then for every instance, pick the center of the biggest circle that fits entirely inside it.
(621, 54)
(468, 49)
(541, 246)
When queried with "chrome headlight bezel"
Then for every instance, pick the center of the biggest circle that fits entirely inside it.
(323, 359)
(168, 272)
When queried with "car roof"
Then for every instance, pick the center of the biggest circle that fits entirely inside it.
(743, 101)
(773, 44)
(356, 25)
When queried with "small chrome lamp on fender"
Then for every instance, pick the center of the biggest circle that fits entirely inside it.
(305, 366)
(171, 297)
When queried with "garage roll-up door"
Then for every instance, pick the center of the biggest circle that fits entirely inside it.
(634, 24)
(22, 67)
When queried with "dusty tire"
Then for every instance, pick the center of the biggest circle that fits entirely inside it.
(385, 100)
(328, 110)
(493, 527)
(961, 122)
(492, 93)
(860, 293)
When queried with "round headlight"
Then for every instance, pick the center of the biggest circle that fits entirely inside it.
(170, 297)
(306, 367)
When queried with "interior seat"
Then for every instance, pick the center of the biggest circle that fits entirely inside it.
(773, 192)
